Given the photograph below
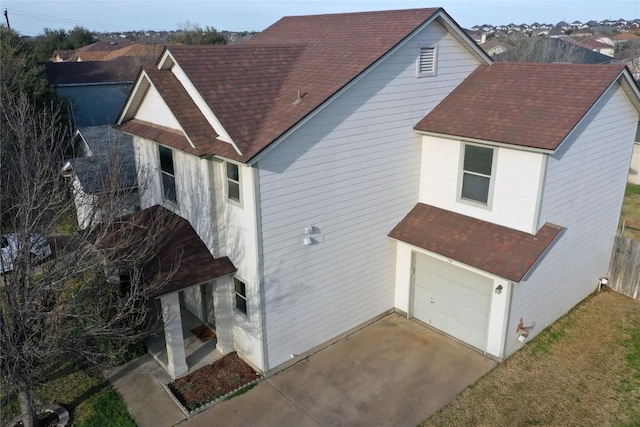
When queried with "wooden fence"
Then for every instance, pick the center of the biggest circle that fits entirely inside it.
(624, 270)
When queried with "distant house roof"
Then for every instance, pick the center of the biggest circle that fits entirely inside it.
(112, 152)
(498, 250)
(152, 50)
(264, 87)
(624, 36)
(62, 55)
(119, 70)
(524, 104)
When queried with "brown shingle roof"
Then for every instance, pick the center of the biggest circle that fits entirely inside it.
(252, 88)
(195, 263)
(184, 109)
(525, 104)
(119, 70)
(499, 250)
(177, 259)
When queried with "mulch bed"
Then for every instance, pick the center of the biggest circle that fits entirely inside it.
(213, 381)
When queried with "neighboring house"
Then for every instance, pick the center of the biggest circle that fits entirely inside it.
(598, 46)
(295, 156)
(493, 47)
(96, 155)
(96, 90)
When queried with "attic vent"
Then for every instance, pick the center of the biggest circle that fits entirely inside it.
(427, 58)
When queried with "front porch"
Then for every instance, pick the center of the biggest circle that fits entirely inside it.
(197, 352)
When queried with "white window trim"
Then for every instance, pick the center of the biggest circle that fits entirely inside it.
(492, 177)
(434, 71)
(226, 183)
(245, 297)
(175, 180)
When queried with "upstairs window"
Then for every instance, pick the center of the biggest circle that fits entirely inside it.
(168, 176)
(427, 61)
(233, 182)
(477, 168)
(241, 296)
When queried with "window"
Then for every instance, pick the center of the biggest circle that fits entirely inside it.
(476, 173)
(233, 182)
(168, 177)
(241, 296)
(427, 61)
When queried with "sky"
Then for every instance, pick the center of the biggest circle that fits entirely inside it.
(30, 17)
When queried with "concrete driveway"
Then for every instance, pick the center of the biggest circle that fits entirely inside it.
(394, 372)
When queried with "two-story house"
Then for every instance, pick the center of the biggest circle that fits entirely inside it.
(351, 165)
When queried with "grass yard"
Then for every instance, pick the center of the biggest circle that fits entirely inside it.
(90, 400)
(584, 370)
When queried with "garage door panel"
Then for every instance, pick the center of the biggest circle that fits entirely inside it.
(452, 299)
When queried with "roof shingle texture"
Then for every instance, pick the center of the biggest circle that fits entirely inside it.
(499, 250)
(524, 104)
(252, 88)
(179, 258)
(184, 109)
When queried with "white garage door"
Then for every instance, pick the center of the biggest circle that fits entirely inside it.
(453, 300)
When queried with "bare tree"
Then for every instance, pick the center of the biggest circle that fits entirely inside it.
(70, 304)
(520, 48)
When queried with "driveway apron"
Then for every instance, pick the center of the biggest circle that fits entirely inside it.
(395, 372)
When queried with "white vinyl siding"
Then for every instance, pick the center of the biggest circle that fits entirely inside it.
(352, 172)
(427, 61)
(583, 192)
(153, 109)
(516, 178)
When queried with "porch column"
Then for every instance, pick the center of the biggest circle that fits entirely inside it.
(223, 301)
(176, 357)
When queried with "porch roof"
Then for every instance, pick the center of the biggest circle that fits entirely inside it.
(498, 250)
(182, 245)
(177, 258)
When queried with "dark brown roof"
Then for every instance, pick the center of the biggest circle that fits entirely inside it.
(196, 264)
(184, 109)
(525, 104)
(179, 258)
(252, 88)
(162, 134)
(498, 250)
(119, 70)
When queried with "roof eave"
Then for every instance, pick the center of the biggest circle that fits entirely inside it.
(485, 142)
(632, 92)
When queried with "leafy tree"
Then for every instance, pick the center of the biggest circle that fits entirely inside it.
(45, 44)
(194, 34)
(20, 72)
(79, 37)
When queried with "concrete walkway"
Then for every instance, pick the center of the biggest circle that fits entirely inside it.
(394, 372)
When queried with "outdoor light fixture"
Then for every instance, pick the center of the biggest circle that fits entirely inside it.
(498, 290)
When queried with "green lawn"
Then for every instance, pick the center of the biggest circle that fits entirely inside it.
(89, 398)
(584, 370)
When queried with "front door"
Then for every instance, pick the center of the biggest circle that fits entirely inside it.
(207, 305)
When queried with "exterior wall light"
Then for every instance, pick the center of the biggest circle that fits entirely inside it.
(498, 290)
